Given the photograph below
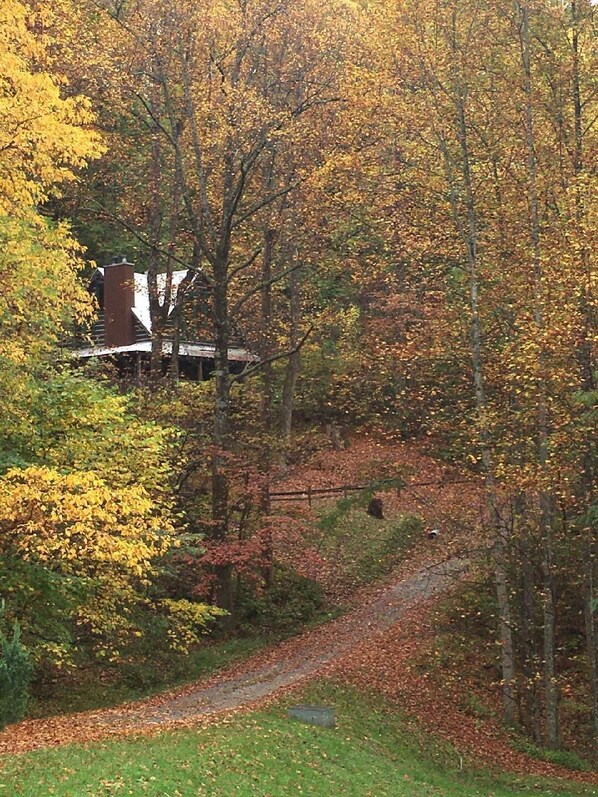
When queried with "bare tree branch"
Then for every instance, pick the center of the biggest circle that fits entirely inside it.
(251, 369)
(260, 286)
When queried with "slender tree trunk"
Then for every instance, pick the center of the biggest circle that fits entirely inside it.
(461, 189)
(501, 581)
(545, 508)
(266, 331)
(590, 564)
(173, 367)
(221, 430)
(591, 617)
(155, 224)
(530, 653)
(293, 363)
(501, 534)
(157, 341)
(267, 391)
(160, 301)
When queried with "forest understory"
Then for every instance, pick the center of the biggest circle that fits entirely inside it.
(296, 299)
(432, 654)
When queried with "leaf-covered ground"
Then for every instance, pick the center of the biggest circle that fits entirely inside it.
(439, 494)
(262, 676)
(378, 647)
(374, 648)
(373, 752)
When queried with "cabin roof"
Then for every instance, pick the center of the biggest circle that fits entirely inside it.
(203, 350)
(141, 307)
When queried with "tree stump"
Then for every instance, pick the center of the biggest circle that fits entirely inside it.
(376, 509)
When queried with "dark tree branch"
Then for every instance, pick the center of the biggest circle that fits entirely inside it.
(189, 266)
(245, 264)
(264, 202)
(251, 369)
(257, 288)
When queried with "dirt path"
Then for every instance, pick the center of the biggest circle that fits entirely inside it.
(376, 645)
(263, 675)
(373, 646)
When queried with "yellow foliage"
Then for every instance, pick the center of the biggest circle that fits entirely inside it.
(77, 520)
(43, 140)
(188, 620)
(40, 293)
(84, 531)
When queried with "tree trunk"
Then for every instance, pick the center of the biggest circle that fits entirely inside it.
(266, 333)
(173, 368)
(267, 391)
(461, 186)
(501, 532)
(221, 431)
(501, 581)
(293, 363)
(591, 618)
(155, 225)
(532, 720)
(545, 509)
(590, 563)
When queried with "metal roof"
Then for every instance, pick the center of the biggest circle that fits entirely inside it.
(141, 311)
(203, 350)
(141, 308)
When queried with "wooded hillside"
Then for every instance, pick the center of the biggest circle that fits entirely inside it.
(391, 210)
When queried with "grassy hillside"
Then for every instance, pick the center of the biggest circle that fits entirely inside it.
(371, 752)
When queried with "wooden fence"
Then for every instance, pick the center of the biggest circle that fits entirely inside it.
(311, 494)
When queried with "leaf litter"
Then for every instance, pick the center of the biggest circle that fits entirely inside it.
(375, 646)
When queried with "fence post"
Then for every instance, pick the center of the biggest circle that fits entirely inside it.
(309, 495)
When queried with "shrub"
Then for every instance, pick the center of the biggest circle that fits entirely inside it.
(16, 669)
(290, 601)
(561, 758)
(76, 555)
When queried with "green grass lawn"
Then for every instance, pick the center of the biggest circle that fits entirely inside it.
(364, 548)
(371, 752)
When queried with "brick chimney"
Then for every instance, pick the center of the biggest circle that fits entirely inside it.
(119, 299)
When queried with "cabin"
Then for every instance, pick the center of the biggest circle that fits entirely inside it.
(122, 331)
